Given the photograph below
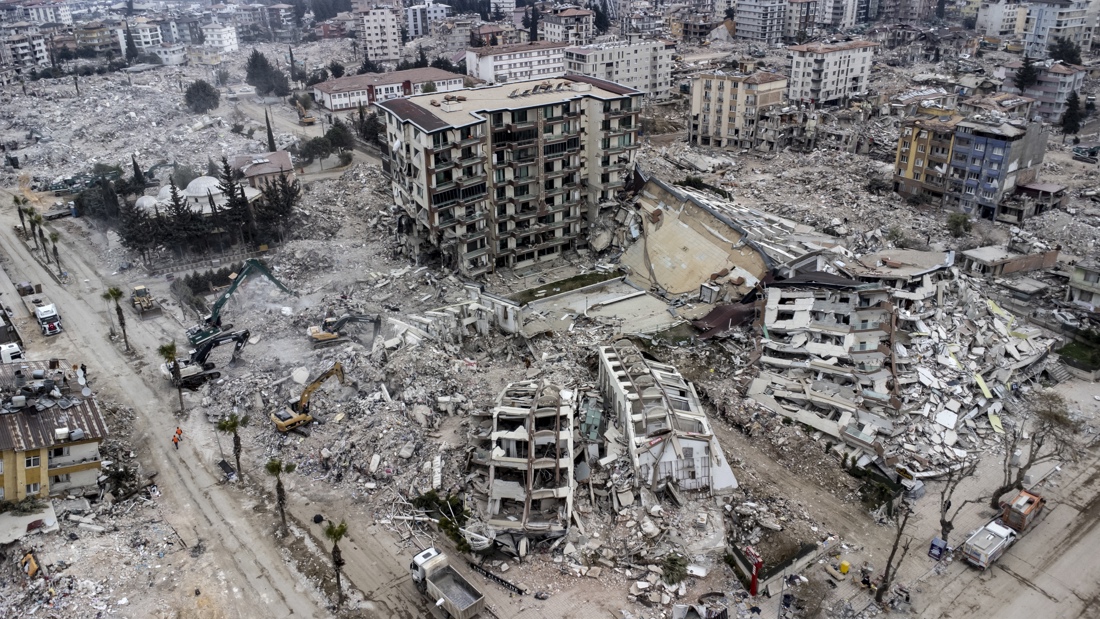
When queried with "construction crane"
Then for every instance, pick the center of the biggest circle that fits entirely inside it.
(212, 324)
(297, 413)
(195, 370)
(330, 333)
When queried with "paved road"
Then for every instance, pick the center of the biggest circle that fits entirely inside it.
(254, 572)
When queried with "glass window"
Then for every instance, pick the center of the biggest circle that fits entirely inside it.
(33, 462)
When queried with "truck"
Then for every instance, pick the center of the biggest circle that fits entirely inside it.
(142, 301)
(45, 313)
(988, 543)
(451, 594)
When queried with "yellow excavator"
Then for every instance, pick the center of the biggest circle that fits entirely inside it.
(304, 117)
(297, 413)
(331, 331)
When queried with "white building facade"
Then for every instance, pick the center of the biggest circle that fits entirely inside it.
(761, 20)
(48, 13)
(642, 64)
(354, 90)
(146, 37)
(825, 72)
(1001, 18)
(171, 54)
(221, 37)
(496, 64)
(381, 34)
(418, 19)
(1048, 20)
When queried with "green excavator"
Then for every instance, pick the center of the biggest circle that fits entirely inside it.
(212, 324)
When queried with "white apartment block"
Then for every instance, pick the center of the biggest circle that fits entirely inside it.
(171, 54)
(642, 64)
(826, 72)
(222, 37)
(146, 36)
(761, 20)
(418, 19)
(381, 34)
(504, 6)
(347, 93)
(800, 22)
(48, 13)
(572, 26)
(495, 64)
(840, 14)
(725, 107)
(1002, 18)
(500, 177)
(1048, 20)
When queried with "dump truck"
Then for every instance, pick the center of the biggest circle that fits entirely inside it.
(450, 593)
(985, 546)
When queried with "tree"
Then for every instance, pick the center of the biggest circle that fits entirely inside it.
(33, 217)
(428, 88)
(42, 238)
(370, 128)
(232, 425)
(20, 203)
(901, 520)
(56, 259)
(498, 15)
(602, 22)
(951, 483)
(316, 148)
(1049, 437)
(941, 8)
(1026, 76)
(168, 353)
(201, 97)
(335, 533)
(275, 467)
(421, 58)
(445, 64)
(339, 136)
(270, 136)
(1071, 119)
(369, 66)
(131, 51)
(336, 69)
(476, 40)
(222, 77)
(958, 224)
(139, 176)
(533, 33)
(1065, 50)
(113, 294)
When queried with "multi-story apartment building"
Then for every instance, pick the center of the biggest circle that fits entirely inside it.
(1048, 20)
(453, 33)
(146, 35)
(1006, 19)
(354, 90)
(47, 451)
(924, 155)
(418, 18)
(840, 14)
(1084, 284)
(642, 64)
(507, 176)
(761, 20)
(380, 34)
(96, 36)
(496, 64)
(826, 72)
(1056, 81)
(47, 12)
(171, 54)
(989, 159)
(222, 37)
(25, 50)
(571, 25)
(280, 16)
(725, 107)
(1005, 103)
(800, 23)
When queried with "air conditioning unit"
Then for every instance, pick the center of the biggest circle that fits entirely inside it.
(61, 434)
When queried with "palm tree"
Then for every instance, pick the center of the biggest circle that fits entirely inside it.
(20, 203)
(168, 353)
(276, 468)
(114, 294)
(33, 217)
(335, 533)
(54, 236)
(230, 425)
(42, 237)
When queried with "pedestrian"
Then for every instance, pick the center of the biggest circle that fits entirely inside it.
(179, 433)
(176, 441)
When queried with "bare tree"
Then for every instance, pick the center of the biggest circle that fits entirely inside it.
(901, 520)
(1051, 437)
(951, 483)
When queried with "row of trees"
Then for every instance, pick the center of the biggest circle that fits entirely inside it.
(37, 233)
(265, 77)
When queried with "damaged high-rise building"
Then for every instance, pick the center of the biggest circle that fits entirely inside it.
(510, 175)
(523, 463)
(668, 435)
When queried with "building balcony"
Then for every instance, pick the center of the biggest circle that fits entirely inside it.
(72, 460)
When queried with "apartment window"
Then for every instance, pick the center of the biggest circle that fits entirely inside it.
(904, 159)
(498, 119)
(33, 462)
(60, 479)
(969, 190)
(499, 176)
(59, 452)
(916, 176)
(33, 489)
(502, 193)
(919, 163)
(920, 148)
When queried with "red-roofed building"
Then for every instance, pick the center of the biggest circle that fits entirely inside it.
(573, 26)
(346, 93)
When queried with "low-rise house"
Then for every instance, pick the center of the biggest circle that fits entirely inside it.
(345, 93)
(259, 170)
(998, 261)
(1084, 284)
(495, 64)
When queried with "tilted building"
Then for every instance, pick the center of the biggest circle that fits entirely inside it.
(726, 107)
(511, 175)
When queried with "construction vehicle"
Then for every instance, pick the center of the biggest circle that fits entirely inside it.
(985, 546)
(297, 413)
(142, 301)
(195, 370)
(329, 332)
(304, 117)
(212, 324)
(44, 312)
(451, 594)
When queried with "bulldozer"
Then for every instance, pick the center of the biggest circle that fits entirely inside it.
(296, 413)
(142, 301)
(329, 332)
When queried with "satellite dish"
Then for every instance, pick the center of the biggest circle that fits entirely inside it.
(86, 392)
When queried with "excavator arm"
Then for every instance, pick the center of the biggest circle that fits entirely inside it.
(200, 354)
(337, 370)
(250, 266)
(334, 327)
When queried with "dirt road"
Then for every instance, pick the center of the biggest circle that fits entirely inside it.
(249, 569)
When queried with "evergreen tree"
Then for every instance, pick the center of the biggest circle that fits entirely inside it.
(602, 22)
(369, 66)
(131, 50)
(139, 176)
(336, 69)
(270, 135)
(1065, 50)
(233, 211)
(201, 97)
(135, 230)
(1026, 76)
(421, 58)
(1071, 119)
(182, 227)
(533, 34)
